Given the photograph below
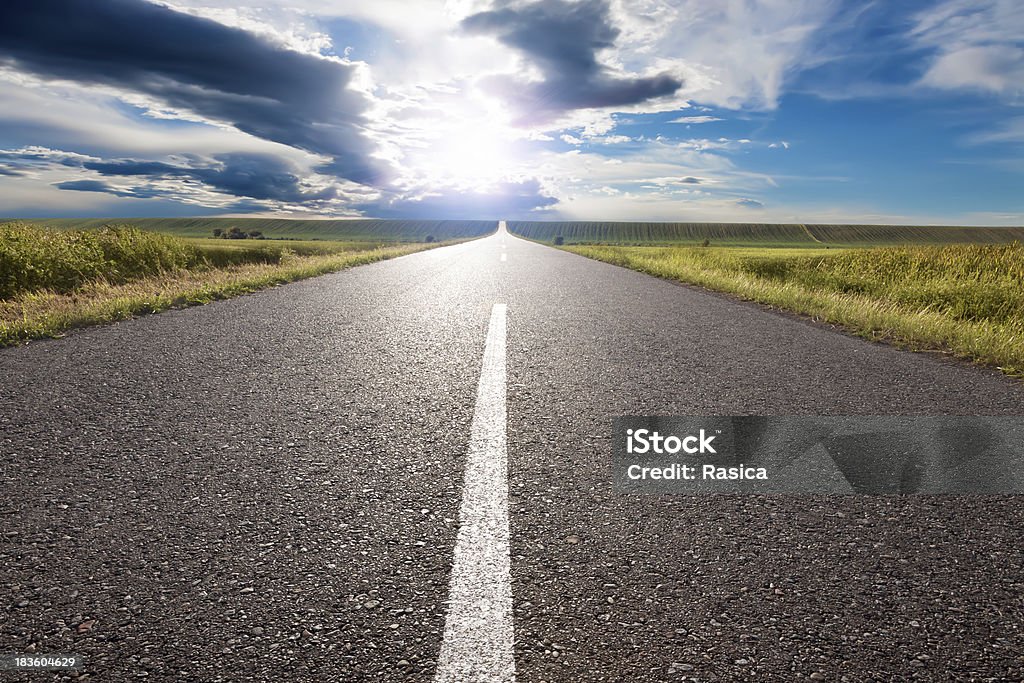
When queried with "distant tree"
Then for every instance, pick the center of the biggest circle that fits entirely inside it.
(706, 242)
(559, 241)
(217, 232)
(429, 239)
(255, 234)
(235, 234)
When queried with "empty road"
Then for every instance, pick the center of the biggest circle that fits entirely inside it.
(272, 488)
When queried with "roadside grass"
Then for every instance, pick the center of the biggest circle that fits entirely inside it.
(51, 281)
(966, 300)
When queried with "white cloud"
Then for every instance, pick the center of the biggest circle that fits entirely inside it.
(284, 26)
(996, 68)
(676, 180)
(1008, 132)
(978, 45)
(720, 144)
(732, 54)
(656, 180)
(695, 119)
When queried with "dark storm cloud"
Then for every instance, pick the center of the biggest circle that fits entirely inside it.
(255, 176)
(86, 186)
(100, 186)
(562, 38)
(249, 176)
(509, 199)
(133, 167)
(690, 180)
(196, 64)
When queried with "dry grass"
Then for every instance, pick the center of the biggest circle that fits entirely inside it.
(45, 313)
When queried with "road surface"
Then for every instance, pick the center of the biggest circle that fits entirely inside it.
(271, 488)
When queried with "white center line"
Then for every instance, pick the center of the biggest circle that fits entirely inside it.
(504, 257)
(478, 632)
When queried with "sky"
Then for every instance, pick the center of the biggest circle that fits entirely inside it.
(812, 111)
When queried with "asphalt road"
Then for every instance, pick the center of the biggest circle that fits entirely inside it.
(268, 488)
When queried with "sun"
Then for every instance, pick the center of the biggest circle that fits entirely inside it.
(471, 156)
(466, 145)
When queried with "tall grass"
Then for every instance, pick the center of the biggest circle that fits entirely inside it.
(33, 258)
(965, 299)
(967, 282)
(52, 280)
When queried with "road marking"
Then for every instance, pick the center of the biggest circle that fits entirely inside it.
(504, 257)
(478, 632)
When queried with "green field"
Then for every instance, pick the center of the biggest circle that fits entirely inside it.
(55, 279)
(356, 230)
(962, 299)
(759, 234)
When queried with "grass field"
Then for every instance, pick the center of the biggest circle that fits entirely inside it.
(759, 234)
(356, 230)
(52, 280)
(964, 299)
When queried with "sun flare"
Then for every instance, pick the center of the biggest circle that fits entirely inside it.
(470, 146)
(472, 156)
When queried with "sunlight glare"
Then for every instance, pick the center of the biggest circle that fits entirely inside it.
(471, 155)
(470, 148)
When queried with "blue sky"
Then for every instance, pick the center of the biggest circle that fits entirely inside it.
(761, 111)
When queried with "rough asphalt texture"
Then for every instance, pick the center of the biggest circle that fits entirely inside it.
(267, 488)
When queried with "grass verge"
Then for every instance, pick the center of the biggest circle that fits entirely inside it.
(47, 313)
(966, 300)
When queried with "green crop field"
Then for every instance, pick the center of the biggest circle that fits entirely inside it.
(759, 234)
(356, 230)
